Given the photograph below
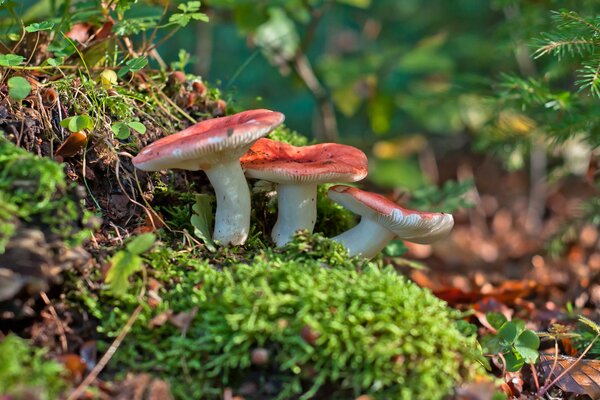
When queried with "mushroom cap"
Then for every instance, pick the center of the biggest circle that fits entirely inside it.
(321, 163)
(208, 142)
(414, 226)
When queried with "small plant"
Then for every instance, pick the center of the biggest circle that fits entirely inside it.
(127, 261)
(511, 342)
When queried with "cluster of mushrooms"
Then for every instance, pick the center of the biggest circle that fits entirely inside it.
(229, 149)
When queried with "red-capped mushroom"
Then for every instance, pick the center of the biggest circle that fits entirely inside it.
(215, 146)
(382, 220)
(298, 171)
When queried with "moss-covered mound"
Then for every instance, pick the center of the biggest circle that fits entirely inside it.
(34, 191)
(303, 322)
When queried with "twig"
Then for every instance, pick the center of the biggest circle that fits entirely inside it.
(554, 364)
(106, 357)
(535, 377)
(59, 325)
(306, 73)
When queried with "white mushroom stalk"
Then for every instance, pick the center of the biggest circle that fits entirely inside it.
(382, 220)
(298, 171)
(215, 146)
(367, 238)
(296, 210)
(232, 218)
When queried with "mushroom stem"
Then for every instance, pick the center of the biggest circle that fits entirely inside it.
(367, 238)
(232, 219)
(297, 209)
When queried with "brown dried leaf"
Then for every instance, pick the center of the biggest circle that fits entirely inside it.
(160, 319)
(182, 320)
(72, 145)
(74, 364)
(583, 378)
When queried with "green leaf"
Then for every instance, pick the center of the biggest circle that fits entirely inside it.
(40, 26)
(137, 126)
(514, 361)
(190, 11)
(507, 332)
(496, 319)
(491, 344)
(77, 123)
(122, 265)
(589, 323)
(202, 220)
(527, 345)
(133, 65)
(10, 60)
(278, 36)
(18, 88)
(121, 130)
(141, 243)
(395, 248)
(55, 62)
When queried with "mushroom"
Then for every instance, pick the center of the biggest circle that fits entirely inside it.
(215, 146)
(382, 220)
(297, 172)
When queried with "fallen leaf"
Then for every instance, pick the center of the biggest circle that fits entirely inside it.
(72, 145)
(74, 364)
(160, 319)
(183, 319)
(583, 378)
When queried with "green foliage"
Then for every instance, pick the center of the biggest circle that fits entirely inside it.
(18, 88)
(328, 322)
(189, 11)
(10, 60)
(449, 198)
(587, 334)
(202, 220)
(133, 65)
(39, 26)
(77, 123)
(517, 345)
(122, 130)
(25, 371)
(35, 190)
(127, 261)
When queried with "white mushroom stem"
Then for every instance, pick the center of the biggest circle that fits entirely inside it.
(367, 238)
(232, 219)
(297, 209)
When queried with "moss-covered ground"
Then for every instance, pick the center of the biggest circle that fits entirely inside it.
(303, 321)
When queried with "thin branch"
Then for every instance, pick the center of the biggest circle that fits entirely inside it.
(106, 357)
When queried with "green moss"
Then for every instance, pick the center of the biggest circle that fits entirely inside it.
(376, 332)
(34, 190)
(286, 135)
(26, 373)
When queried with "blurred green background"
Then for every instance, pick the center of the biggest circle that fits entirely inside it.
(403, 77)
(410, 82)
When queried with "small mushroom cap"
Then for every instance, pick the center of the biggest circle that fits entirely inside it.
(209, 142)
(414, 226)
(283, 163)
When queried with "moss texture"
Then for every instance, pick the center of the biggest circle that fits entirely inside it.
(25, 373)
(34, 191)
(305, 321)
